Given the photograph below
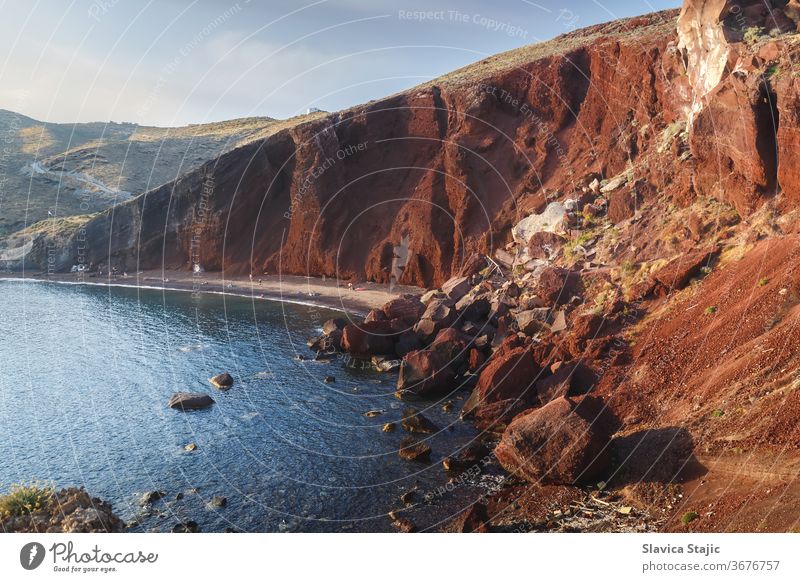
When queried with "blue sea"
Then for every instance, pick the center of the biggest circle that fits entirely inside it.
(86, 372)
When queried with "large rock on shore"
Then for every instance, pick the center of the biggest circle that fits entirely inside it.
(425, 372)
(407, 308)
(434, 369)
(190, 401)
(373, 338)
(509, 375)
(439, 315)
(564, 442)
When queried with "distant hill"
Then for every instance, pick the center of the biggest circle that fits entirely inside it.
(84, 168)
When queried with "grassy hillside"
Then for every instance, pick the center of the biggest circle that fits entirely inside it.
(84, 168)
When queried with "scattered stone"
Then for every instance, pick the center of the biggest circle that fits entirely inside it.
(189, 401)
(532, 321)
(375, 315)
(414, 422)
(222, 381)
(678, 273)
(475, 519)
(329, 379)
(218, 502)
(545, 245)
(388, 427)
(190, 447)
(559, 321)
(431, 295)
(425, 372)
(332, 325)
(404, 525)
(557, 286)
(509, 374)
(373, 413)
(384, 364)
(439, 315)
(186, 527)
(456, 288)
(407, 498)
(152, 496)
(467, 457)
(413, 450)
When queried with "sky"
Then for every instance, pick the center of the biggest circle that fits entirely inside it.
(175, 62)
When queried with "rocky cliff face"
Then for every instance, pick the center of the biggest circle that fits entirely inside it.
(650, 107)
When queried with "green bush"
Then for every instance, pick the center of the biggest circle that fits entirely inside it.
(23, 499)
(689, 517)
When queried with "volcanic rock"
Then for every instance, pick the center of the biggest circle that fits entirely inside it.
(369, 339)
(337, 323)
(545, 245)
(425, 372)
(456, 288)
(414, 422)
(532, 321)
(190, 401)
(678, 272)
(407, 308)
(222, 381)
(557, 286)
(509, 374)
(553, 219)
(413, 450)
(555, 444)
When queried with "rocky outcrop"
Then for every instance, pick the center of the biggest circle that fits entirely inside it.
(70, 510)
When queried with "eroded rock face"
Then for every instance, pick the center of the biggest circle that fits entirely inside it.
(560, 443)
(704, 45)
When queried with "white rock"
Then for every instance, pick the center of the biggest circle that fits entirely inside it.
(553, 219)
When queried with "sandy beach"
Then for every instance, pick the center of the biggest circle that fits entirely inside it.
(290, 288)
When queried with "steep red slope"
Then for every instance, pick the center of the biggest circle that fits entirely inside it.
(447, 166)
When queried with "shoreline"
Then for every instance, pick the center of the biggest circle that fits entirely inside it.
(293, 289)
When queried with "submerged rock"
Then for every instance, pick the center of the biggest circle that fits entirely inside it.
(188, 526)
(413, 450)
(413, 421)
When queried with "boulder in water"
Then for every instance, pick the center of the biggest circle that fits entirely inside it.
(222, 381)
(190, 401)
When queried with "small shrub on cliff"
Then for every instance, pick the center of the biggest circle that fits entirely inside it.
(24, 499)
(752, 34)
(711, 309)
(689, 517)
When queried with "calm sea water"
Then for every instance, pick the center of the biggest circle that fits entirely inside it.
(86, 372)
